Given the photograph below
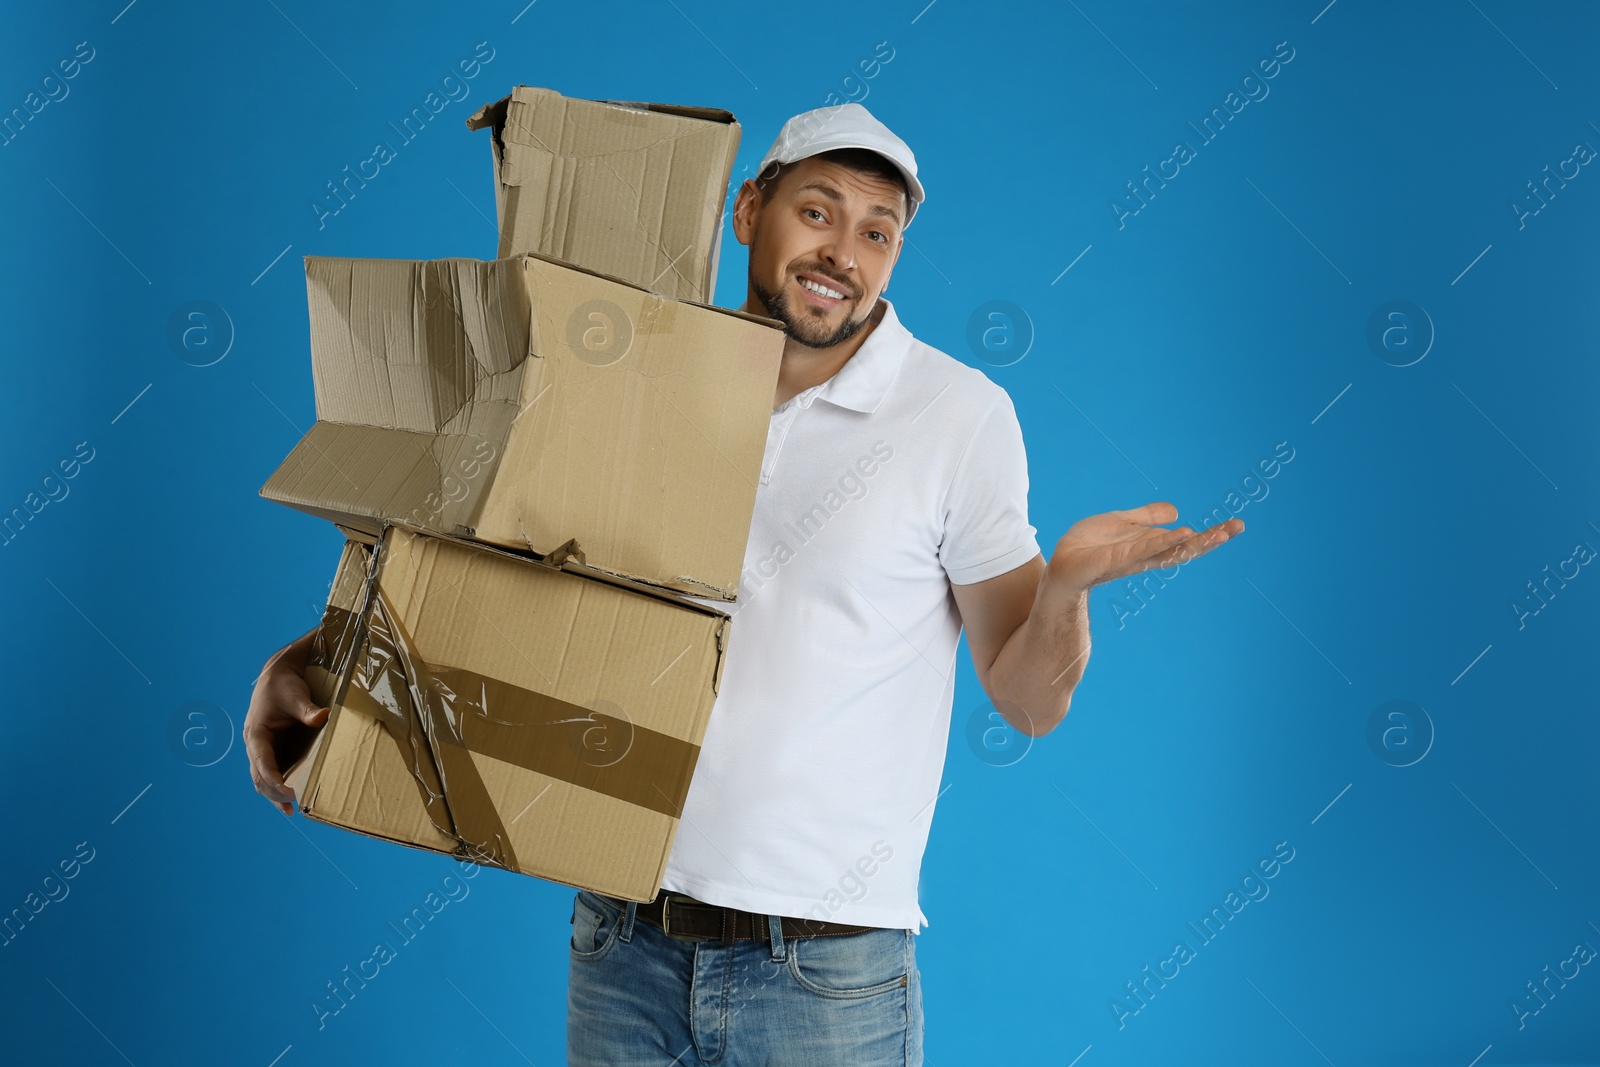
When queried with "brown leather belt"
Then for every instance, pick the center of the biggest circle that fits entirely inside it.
(686, 919)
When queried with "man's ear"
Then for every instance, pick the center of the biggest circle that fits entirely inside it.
(745, 206)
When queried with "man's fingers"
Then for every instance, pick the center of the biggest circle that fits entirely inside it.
(264, 769)
(1157, 513)
(279, 794)
(1158, 544)
(1190, 545)
(312, 715)
(301, 706)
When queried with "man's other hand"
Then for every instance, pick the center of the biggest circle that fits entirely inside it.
(1103, 548)
(282, 722)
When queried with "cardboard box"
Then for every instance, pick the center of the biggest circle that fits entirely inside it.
(630, 189)
(509, 712)
(534, 405)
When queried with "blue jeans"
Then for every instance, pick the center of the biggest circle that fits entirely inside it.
(638, 998)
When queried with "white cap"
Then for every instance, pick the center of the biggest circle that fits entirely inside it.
(845, 126)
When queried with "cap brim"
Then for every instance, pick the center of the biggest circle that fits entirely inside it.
(913, 186)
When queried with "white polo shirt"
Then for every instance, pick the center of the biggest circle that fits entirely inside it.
(820, 765)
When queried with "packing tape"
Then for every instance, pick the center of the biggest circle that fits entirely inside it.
(389, 682)
(438, 716)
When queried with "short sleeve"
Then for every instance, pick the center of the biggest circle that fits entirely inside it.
(986, 528)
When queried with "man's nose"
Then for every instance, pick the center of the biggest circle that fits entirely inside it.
(840, 251)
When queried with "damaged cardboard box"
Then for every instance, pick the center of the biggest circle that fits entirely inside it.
(535, 405)
(631, 189)
(508, 712)
(534, 458)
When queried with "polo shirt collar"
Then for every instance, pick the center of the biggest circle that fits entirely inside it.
(864, 380)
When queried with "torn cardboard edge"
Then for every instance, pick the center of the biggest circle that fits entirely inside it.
(567, 558)
(493, 115)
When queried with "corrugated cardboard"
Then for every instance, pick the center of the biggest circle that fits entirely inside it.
(530, 404)
(630, 189)
(511, 713)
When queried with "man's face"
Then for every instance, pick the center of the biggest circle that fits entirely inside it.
(826, 227)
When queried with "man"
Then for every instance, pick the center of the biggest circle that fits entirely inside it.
(891, 512)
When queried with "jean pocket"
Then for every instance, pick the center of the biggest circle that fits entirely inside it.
(595, 923)
(851, 966)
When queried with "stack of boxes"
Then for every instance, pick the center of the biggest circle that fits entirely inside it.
(536, 460)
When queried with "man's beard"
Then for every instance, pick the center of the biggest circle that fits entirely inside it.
(802, 327)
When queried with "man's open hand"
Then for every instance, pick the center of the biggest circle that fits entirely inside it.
(1103, 548)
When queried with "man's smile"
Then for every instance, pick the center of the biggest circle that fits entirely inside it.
(821, 291)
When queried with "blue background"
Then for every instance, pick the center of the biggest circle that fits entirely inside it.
(1222, 713)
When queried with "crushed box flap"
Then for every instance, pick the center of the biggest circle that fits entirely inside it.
(529, 403)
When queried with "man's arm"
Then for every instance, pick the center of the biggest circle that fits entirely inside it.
(1028, 629)
(1029, 641)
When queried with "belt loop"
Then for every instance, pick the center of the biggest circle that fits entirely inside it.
(780, 951)
(626, 933)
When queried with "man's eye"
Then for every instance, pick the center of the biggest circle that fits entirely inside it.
(812, 211)
(880, 236)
